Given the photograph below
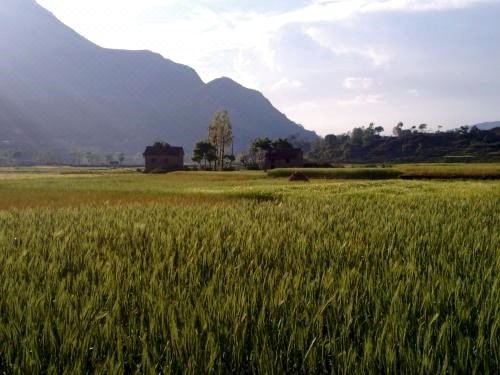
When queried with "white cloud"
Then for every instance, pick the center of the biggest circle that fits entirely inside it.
(361, 100)
(358, 83)
(218, 40)
(378, 57)
(413, 92)
(419, 5)
(197, 30)
(306, 106)
(286, 84)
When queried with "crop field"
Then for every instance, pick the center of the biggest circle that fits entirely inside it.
(404, 171)
(195, 272)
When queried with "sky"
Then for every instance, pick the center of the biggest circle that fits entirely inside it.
(329, 65)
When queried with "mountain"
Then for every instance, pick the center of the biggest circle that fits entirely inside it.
(488, 125)
(57, 89)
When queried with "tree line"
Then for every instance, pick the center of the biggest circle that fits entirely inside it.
(406, 144)
(49, 156)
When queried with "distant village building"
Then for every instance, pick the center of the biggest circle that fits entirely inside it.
(161, 157)
(281, 158)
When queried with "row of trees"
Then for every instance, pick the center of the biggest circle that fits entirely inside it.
(44, 156)
(93, 158)
(13, 157)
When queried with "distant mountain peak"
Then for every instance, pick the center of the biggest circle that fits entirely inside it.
(225, 81)
(74, 94)
(488, 125)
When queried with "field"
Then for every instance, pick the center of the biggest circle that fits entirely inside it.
(116, 271)
(404, 171)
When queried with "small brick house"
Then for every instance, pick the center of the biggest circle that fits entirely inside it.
(161, 157)
(281, 158)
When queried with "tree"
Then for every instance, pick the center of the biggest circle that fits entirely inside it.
(369, 134)
(357, 136)
(398, 129)
(121, 157)
(220, 134)
(261, 144)
(299, 141)
(109, 158)
(331, 140)
(282, 144)
(204, 151)
(76, 157)
(88, 157)
(257, 148)
(474, 131)
(197, 157)
(212, 157)
(463, 130)
(230, 158)
(92, 158)
(422, 127)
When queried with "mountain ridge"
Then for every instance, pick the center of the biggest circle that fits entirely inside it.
(488, 125)
(74, 94)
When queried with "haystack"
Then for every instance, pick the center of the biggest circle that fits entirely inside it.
(298, 176)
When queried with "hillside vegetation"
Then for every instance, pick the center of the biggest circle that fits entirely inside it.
(368, 145)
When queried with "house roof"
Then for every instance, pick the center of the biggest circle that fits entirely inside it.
(164, 149)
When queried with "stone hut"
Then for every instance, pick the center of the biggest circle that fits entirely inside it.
(161, 157)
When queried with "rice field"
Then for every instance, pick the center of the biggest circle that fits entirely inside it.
(404, 171)
(119, 272)
(341, 173)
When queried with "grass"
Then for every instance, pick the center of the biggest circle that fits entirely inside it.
(199, 273)
(405, 171)
(55, 190)
(340, 173)
(452, 171)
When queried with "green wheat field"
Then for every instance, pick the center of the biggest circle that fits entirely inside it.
(114, 272)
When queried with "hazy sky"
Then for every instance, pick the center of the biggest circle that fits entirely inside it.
(328, 64)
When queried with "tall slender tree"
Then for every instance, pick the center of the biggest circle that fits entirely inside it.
(220, 134)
